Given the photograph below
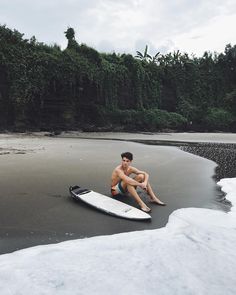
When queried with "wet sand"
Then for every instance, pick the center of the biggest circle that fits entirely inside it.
(36, 171)
(181, 137)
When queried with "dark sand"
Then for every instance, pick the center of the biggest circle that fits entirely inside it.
(36, 171)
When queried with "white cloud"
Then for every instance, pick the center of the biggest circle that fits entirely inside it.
(212, 37)
(110, 25)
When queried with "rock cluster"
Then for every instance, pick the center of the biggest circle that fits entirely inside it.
(224, 154)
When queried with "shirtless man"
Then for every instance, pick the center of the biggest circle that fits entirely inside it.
(121, 182)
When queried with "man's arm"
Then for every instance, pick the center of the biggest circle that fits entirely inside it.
(127, 179)
(137, 171)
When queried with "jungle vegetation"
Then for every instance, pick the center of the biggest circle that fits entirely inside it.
(43, 87)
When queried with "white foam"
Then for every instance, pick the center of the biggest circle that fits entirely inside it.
(193, 254)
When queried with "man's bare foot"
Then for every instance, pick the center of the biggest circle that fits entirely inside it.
(158, 202)
(145, 209)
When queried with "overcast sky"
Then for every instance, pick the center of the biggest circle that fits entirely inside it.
(192, 26)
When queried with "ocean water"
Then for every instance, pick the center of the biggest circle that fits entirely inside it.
(193, 254)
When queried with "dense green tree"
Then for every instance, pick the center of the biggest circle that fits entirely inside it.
(147, 57)
(44, 87)
(144, 56)
(70, 35)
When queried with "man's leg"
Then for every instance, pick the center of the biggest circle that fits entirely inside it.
(153, 197)
(134, 194)
(132, 190)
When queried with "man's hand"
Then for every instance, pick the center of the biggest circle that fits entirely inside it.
(143, 185)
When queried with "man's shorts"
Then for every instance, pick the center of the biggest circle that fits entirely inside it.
(118, 189)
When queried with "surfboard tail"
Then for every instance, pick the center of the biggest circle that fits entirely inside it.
(77, 190)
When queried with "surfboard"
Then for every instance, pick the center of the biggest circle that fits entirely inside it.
(107, 204)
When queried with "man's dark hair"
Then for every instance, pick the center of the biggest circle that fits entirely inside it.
(127, 155)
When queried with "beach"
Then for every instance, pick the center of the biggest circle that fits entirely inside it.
(37, 170)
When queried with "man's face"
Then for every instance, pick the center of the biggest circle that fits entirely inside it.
(125, 162)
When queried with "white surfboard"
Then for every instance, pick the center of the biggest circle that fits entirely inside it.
(107, 204)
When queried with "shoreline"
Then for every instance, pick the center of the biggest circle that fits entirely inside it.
(178, 137)
(217, 147)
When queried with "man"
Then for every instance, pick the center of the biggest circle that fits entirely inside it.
(121, 182)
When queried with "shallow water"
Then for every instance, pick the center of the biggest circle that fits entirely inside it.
(35, 207)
